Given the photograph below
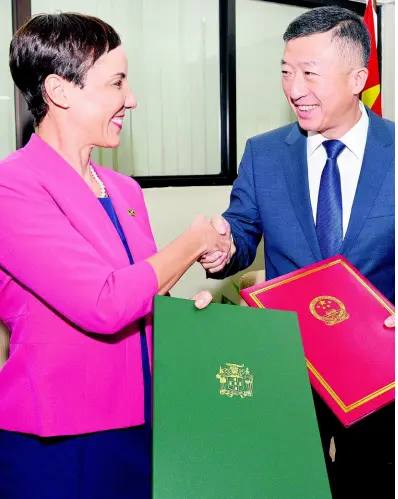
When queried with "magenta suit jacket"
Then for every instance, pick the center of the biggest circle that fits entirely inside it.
(70, 298)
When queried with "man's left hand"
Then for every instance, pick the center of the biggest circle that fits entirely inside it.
(390, 321)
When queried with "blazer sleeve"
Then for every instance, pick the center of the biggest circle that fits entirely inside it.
(243, 217)
(41, 250)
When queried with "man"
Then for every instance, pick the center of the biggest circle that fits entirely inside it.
(320, 187)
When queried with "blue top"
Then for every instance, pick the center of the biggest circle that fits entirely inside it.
(108, 206)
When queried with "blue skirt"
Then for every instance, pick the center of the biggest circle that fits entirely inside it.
(113, 464)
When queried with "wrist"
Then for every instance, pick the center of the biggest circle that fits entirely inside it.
(196, 240)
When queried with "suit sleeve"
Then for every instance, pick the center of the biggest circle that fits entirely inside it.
(41, 250)
(244, 218)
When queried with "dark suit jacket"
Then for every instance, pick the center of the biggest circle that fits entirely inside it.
(271, 197)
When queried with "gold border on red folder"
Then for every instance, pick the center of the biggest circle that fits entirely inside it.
(345, 408)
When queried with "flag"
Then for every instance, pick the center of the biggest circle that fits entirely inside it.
(371, 94)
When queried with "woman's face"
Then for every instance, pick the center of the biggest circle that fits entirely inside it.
(96, 112)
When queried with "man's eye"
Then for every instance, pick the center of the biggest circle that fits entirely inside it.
(309, 73)
(285, 73)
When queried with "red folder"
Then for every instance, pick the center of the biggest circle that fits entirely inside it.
(349, 352)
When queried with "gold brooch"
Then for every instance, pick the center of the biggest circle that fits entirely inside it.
(328, 309)
(131, 212)
(235, 379)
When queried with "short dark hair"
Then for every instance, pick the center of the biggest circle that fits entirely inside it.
(66, 44)
(348, 28)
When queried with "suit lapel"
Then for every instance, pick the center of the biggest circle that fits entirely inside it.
(379, 152)
(296, 174)
(76, 200)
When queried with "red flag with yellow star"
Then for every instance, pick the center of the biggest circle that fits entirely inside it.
(371, 95)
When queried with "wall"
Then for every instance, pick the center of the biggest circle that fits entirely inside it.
(171, 211)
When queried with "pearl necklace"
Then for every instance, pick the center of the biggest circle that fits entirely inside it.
(99, 182)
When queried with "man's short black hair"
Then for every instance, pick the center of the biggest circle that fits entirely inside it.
(66, 44)
(348, 28)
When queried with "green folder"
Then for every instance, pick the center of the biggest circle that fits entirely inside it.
(233, 410)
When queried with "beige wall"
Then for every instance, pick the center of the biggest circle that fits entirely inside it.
(171, 211)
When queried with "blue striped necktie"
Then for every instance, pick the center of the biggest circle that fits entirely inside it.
(329, 214)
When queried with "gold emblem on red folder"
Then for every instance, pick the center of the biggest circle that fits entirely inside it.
(235, 380)
(328, 309)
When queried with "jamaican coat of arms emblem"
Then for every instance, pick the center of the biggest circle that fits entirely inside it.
(235, 380)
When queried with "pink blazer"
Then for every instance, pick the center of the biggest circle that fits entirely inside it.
(70, 298)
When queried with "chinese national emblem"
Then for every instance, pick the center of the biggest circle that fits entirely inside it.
(328, 309)
(235, 379)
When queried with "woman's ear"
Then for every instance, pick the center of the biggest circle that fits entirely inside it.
(55, 88)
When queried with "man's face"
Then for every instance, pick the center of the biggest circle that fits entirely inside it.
(319, 85)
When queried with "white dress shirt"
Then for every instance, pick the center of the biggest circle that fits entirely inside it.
(349, 163)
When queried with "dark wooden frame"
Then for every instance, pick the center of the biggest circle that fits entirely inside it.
(21, 10)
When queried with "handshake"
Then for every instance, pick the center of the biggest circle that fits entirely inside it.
(218, 247)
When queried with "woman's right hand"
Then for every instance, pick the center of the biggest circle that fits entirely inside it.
(211, 239)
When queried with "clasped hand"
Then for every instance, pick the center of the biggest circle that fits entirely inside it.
(215, 258)
(217, 252)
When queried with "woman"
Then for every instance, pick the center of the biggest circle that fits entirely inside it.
(75, 391)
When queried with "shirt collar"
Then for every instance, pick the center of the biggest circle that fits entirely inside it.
(354, 139)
